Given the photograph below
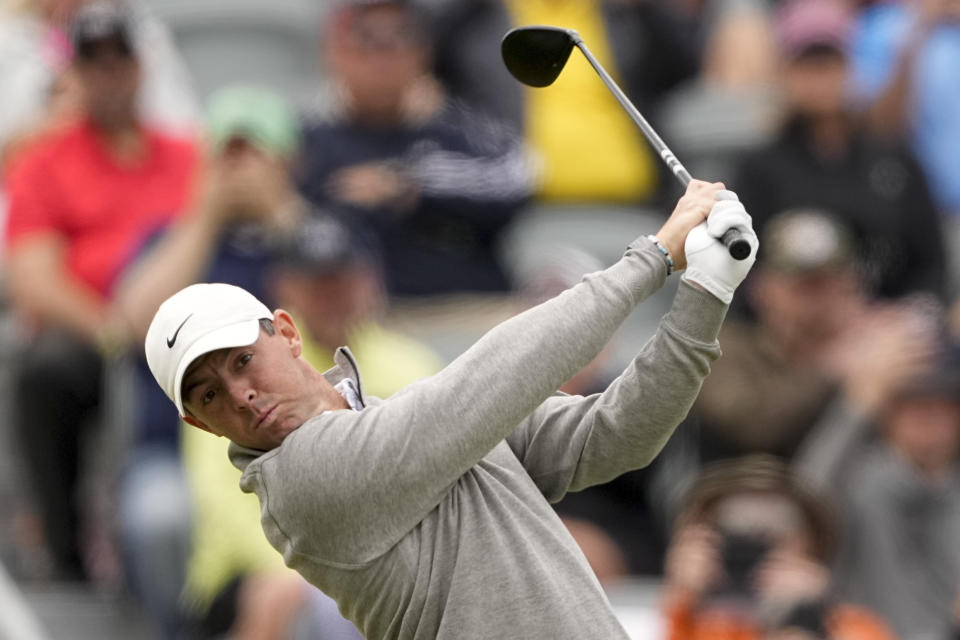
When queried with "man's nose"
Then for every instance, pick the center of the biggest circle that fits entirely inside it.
(242, 394)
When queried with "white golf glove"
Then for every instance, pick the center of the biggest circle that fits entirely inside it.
(708, 261)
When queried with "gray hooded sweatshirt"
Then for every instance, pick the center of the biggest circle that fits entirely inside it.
(427, 515)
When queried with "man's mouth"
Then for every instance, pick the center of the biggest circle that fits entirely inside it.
(265, 418)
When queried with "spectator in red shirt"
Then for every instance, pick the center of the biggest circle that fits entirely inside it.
(81, 202)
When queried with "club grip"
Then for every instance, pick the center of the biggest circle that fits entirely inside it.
(736, 244)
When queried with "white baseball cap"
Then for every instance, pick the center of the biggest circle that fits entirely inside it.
(197, 320)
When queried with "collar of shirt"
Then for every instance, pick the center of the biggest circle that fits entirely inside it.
(348, 390)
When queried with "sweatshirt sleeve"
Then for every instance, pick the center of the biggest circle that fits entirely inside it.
(353, 483)
(570, 443)
(841, 433)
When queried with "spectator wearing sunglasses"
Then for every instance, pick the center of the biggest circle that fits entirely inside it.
(435, 181)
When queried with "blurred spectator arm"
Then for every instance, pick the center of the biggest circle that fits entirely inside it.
(693, 566)
(478, 187)
(40, 285)
(889, 78)
(44, 291)
(888, 110)
(871, 361)
(176, 261)
(901, 578)
(483, 172)
(247, 185)
(822, 457)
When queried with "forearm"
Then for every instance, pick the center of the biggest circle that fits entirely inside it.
(436, 429)
(573, 443)
(384, 468)
(44, 293)
(656, 392)
(61, 302)
(888, 112)
(177, 261)
(484, 189)
(516, 366)
(827, 450)
(429, 435)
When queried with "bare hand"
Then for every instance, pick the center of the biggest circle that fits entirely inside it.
(693, 562)
(787, 577)
(692, 209)
(247, 183)
(268, 606)
(885, 348)
(934, 12)
(374, 185)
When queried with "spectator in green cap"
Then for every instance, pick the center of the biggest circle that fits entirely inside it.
(246, 203)
(256, 115)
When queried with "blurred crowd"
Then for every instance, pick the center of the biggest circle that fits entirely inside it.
(371, 166)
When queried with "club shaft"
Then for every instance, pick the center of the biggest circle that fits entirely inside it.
(658, 144)
(736, 244)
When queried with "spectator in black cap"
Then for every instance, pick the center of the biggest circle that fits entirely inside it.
(329, 276)
(39, 88)
(825, 157)
(819, 343)
(769, 389)
(106, 59)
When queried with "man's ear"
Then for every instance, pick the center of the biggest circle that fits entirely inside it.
(200, 425)
(286, 329)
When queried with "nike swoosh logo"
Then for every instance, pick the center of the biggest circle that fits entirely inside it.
(172, 341)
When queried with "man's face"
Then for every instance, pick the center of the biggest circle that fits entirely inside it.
(925, 429)
(816, 83)
(257, 395)
(378, 55)
(792, 305)
(110, 79)
(766, 515)
(330, 305)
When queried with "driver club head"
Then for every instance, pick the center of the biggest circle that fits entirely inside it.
(536, 55)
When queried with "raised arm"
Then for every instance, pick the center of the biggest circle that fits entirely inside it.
(42, 288)
(569, 443)
(382, 470)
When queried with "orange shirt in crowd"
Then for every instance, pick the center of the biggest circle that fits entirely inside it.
(69, 185)
(844, 621)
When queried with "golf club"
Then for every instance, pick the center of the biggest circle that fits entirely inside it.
(536, 55)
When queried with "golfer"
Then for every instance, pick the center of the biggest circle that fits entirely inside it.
(426, 515)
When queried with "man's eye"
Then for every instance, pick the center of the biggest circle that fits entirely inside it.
(208, 397)
(244, 359)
